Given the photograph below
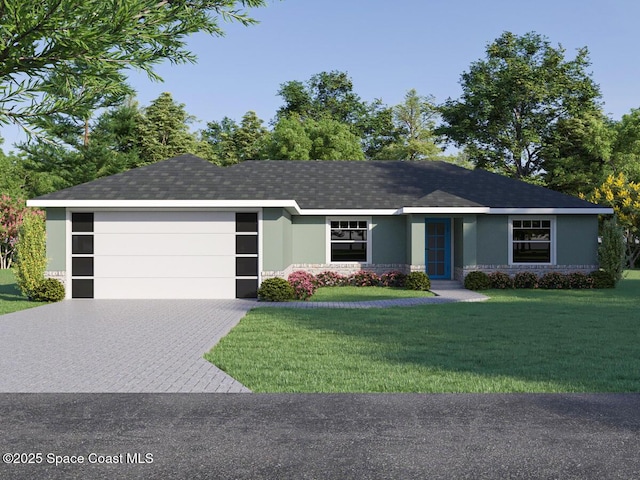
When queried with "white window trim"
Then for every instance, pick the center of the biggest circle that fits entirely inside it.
(554, 230)
(328, 237)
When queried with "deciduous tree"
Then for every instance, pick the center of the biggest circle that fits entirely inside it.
(624, 196)
(513, 100)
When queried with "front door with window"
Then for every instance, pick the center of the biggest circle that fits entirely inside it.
(438, 248)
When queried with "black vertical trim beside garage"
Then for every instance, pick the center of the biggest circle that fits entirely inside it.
(82, 255)
(246, 255)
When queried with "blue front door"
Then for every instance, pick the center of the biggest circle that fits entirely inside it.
(438, 247)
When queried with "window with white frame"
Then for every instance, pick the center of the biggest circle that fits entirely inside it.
(349, 240)
(532, 240)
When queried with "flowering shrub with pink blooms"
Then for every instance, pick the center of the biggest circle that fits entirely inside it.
(303, 283)
(393, 279)
(330, 279)
(364, 279)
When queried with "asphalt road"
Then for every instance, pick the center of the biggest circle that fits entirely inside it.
(374, 436)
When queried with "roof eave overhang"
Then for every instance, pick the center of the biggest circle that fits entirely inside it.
(552, 211)
(293, 208)
(290, 205)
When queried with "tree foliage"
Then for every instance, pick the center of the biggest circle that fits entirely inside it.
(12, 211)
(415, 120)
(513, 100)
(578, 153)
(232, 143)
(329, 96)
(163, 131)
(324, 139)
(66, 56)
(31, 258)
(624, 197)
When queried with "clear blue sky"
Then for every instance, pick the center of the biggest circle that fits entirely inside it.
(389, 47)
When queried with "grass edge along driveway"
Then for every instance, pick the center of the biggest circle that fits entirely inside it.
(518, 341)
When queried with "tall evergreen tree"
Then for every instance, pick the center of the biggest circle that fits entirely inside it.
(163, 131)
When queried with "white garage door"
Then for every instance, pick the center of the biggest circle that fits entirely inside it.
(164, 255)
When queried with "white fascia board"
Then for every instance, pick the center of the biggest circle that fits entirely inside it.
(443, 210)
(551, 211)
(349, 212)
(291, 205)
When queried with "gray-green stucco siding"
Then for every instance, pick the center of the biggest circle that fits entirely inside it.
(388, 240)
(577, 240)
(492, 240)
(277, 239)
(309, 239)
(56, 239)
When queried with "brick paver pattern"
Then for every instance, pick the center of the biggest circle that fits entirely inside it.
(140, 346)
(117, 346)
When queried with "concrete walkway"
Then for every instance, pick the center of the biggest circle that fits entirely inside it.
(117, 346)
(446, 291)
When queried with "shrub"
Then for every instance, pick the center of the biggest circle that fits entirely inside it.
(500, 280)
(554, 281)
(417, 281)
(477, 280)
(611, 252)
(580, 280)
(49, 290)
(275, 290)
(393, 279)
(330, 279)
(525, 280)
(303, 283)
(602, 279)
(364, 279)
(31, 259)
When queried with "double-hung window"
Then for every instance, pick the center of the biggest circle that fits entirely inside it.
(532, 240)
(349, 240)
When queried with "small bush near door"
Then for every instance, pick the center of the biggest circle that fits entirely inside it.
(417, 281)
(477, 281)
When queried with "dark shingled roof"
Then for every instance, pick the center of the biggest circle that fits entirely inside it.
(321, 185)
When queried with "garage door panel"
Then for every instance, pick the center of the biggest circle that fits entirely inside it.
(164, 222)
(181, 244)
(165, 267)
(150, 288)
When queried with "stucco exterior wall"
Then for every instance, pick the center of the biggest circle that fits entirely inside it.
(492, 240)
(56, 240)
(309, 239)
(388, 240)
(577, 240)
(277, 239)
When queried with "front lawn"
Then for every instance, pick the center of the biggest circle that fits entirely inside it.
(518, 341)
(360, 294)
(11, 299)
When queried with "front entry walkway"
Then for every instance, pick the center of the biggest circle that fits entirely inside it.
(114, 346)
(446, 291)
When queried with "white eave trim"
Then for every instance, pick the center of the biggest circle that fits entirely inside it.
(551, 211)
(290, 205)
(350, 212)
(293, 207)
(443, 210)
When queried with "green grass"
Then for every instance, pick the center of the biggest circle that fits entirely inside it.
(11, 299)
(360, 294)
(518, 341)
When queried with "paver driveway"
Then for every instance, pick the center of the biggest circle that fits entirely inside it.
(117, 346)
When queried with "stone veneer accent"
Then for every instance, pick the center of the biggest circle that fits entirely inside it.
(539, 270)
(343, 268)
(58, 275)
